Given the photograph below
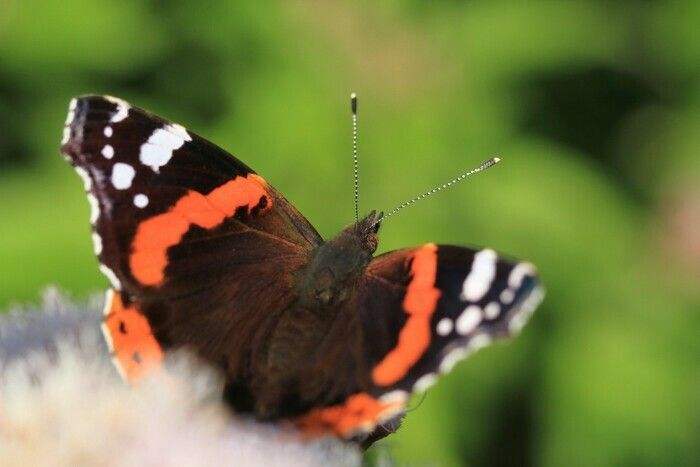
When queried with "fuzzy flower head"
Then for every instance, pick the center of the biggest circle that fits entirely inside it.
(63, 404)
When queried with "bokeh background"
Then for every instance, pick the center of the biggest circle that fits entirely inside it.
(594, 107)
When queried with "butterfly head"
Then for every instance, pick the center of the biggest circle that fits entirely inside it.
(366, 230)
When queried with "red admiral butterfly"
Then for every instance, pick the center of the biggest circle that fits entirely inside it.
(203, 253)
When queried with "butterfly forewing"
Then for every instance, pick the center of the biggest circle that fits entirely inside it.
(453, 300)
(153, 185)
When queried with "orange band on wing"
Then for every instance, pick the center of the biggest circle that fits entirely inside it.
(135, 349)
(155, 235)
(419, 303)
(360, 412)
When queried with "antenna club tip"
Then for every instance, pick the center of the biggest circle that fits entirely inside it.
(353, 102)
(496, 160)
(353, 95)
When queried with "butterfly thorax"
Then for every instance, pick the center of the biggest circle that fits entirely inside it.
(337, 265)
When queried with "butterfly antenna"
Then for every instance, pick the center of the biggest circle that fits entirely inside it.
(355, 159)
(489, 163)
(418, 404)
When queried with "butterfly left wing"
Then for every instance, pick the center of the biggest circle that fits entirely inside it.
(419, 311)
(200, 250)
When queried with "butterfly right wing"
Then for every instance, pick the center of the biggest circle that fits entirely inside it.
(418, 312)
(454, 300)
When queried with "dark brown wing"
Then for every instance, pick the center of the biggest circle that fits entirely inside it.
(199, 249)
(418, 312)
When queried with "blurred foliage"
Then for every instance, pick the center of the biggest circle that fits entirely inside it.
(594, 107)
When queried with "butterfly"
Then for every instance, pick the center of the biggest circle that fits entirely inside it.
(203, 253)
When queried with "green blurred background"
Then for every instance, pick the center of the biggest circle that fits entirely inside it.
(593, 106)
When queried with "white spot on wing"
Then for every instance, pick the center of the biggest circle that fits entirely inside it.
(468, 320)
(394, 396)
(87, 182)
(122, 175)
(516, 276)
(66, 135)
(516, 323)
(452, 358)
(113, 279)
(479, 279)
(179, 130)
(108, 151)
(122, 110)
(492, 310)
(528, 306)
(158, 150)
(507, 296)
(97, 243)
(479, 342)
(94, 208)
(121, 113)
(108, 132)
(71, 111)
(140, 200)
(424, 382)
(444, 326)
(109, 298)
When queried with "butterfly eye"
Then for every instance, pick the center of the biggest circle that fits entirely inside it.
(372, 242)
